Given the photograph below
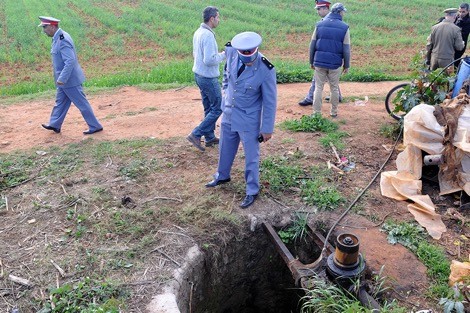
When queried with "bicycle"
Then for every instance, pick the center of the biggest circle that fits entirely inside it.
(403, 97)
(391, 100)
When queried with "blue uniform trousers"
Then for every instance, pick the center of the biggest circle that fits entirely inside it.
(228, 147)
(64, 97)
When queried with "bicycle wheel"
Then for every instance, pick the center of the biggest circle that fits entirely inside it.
(390, 104)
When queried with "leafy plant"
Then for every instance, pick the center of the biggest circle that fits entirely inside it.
(288, 75)
(427, 86)
(297, 230)
(317, 192)
(310, 123)
(87, 295)
(412, 236)
(279, 173)
(406, 234)
(454, 302)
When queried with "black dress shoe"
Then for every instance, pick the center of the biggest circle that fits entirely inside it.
(249, 200)
(217, 182)
(305, 103)
(56, 130)
(89, 132)
(212, 142)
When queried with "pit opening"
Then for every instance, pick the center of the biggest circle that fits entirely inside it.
(245, 275)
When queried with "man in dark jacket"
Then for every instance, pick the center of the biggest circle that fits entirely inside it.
(329, 51)
(463, 21)
(444, 40)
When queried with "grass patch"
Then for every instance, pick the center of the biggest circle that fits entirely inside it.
(317, 123)
(282, 174)
(85, 296)
(157, 30)
(390, 130)
(413, 236)
(334, 138)
(279, 173)
(310, 123)
(323, 195)
(297, 230)
(324, 297)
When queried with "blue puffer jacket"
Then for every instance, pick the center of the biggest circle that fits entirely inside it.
(329, 38)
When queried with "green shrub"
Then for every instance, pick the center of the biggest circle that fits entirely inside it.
(310, 123)
(428, 87)
(87, 295)
(278, 174)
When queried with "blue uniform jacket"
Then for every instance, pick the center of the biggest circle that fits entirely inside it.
(249, 101)
(64, 61)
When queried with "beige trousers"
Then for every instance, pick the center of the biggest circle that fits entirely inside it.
(323, 75)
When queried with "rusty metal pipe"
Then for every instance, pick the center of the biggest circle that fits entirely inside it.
(367, 300)
(299, 270)
(280, 246)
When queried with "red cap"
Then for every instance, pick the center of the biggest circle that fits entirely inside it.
(321, 3)
(47, 20)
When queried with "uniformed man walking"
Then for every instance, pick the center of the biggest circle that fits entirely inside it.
(68, 76)
(249, 109)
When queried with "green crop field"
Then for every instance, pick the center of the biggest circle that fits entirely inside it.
(130, 42)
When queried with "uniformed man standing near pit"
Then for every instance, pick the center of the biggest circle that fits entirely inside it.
(68, 76)
(249, 109)
(444, 40)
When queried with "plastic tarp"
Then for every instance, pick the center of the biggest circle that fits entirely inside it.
(458, 271)
(422, 132)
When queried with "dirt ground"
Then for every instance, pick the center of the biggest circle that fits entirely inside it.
(132, 113)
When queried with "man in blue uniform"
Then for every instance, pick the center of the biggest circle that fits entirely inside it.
(249, 109)
(68, 76)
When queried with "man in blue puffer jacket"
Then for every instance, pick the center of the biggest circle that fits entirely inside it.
(330, 53)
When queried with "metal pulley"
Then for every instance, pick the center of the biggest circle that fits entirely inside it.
(346, 263)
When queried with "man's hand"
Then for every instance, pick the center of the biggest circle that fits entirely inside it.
(59, 83)
(312, 67)
(266, 137)
(345, 70)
